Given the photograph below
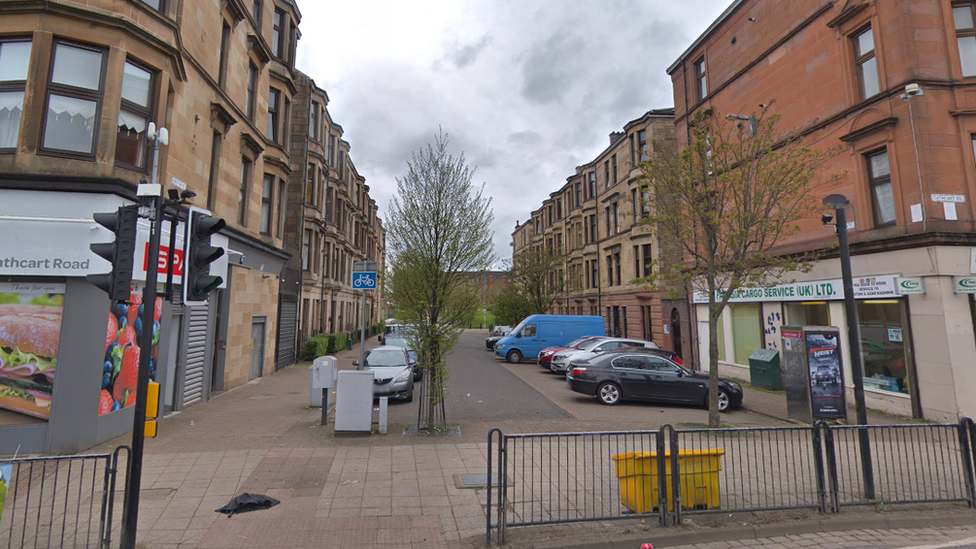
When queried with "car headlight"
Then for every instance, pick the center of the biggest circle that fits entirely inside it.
(402, 377)
(499, 346)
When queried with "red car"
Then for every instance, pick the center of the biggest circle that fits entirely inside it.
(545, 355)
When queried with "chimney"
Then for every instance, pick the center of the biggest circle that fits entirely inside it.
(616, 136)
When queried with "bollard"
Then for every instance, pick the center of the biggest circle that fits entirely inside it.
(384, 402)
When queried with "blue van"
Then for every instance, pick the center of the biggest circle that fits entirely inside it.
(537, 332)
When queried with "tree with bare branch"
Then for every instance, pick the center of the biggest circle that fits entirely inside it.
(721, 206)
(438, 234)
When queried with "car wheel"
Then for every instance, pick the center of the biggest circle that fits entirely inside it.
(609, 393)
(723, 401)
(514, 356)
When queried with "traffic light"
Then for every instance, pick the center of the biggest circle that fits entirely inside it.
(197, 280)
(119, 253)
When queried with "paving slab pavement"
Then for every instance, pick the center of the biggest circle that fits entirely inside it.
(341, 491)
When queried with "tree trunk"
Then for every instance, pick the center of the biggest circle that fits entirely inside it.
(714, 418)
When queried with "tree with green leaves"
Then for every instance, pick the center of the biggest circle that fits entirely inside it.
(510, 307)
(538, 275)
(721, 206)
(437, 235)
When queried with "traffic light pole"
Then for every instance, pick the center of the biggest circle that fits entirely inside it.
(133, 482)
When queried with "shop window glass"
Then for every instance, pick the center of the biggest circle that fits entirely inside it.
(746, 330)
(808, 314)
(14, 59)
(882, 332)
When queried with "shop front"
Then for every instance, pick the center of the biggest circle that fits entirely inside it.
(755, 316)
(68, 356)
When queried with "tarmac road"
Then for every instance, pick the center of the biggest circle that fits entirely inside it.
(481, 388)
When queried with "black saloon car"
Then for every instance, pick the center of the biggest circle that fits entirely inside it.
(649, 375)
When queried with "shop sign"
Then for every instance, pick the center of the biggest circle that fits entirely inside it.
(55, 247)
(865, 287)
(964, 284)
(910, 285)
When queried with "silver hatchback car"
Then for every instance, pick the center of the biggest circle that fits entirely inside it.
(392, 372)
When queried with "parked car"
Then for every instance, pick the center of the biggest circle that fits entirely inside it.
(629, 373)
(537, 332)
(545, 355)
(560, 361)
(825, 375)
(392, 372)
(399, 340)
(500, 331)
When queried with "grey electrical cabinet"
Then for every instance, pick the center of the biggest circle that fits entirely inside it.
(354, 401)
(323, 373)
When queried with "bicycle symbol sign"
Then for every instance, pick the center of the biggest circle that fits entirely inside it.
(364, 280)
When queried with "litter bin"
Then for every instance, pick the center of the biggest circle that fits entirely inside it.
(764, 370)
(697, 471)
(348, 343)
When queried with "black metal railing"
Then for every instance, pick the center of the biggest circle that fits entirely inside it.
(60, 502)
(575, 477)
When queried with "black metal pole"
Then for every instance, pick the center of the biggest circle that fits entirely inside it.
(854, 339)
(133, 481)
(173, 223)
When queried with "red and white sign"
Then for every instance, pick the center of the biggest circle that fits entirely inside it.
(163, 257)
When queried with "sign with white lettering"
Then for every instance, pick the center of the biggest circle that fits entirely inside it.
(55, 247)
(865, 287)
(956, 198)
(964, 284)
(910, 285)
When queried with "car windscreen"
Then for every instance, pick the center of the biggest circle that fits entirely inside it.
(590, 344)
(375, 359)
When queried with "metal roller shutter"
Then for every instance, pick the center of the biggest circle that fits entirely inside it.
(196, 355)
(287, 332)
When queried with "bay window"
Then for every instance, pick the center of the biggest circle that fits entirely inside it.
(134, 115)
(74, 96)
(14, 64)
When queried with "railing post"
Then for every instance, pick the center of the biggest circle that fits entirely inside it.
(831, 458)
(965, 446)
(491, 435)
(503, 492)
(675, 482)
(818, 461)
(108, 498)
(662, 486)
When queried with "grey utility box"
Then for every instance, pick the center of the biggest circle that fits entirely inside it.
(323, 373)
(764, 370)
(354, 401)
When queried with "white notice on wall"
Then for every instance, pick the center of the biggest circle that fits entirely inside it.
(950, 211)
(916, 213)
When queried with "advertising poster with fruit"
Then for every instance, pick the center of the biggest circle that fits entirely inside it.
(120, 369)
(30, 333)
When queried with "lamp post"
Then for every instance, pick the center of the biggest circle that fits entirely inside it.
(838, 202)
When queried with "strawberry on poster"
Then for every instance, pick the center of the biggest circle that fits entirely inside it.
(120, 366)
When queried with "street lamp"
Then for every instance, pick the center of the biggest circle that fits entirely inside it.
(838, 202)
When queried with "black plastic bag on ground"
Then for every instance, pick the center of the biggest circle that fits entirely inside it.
(248, 502)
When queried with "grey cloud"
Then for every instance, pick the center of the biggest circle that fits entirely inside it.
(527, 137)
(463, 56)
(545, 73)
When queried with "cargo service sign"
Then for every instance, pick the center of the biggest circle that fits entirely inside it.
(865, 287)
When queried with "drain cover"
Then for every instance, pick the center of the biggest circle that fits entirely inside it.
(474, 480)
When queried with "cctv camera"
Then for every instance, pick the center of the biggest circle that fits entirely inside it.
(188, 195)
(827, 219)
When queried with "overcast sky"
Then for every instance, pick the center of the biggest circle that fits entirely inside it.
(526, 89)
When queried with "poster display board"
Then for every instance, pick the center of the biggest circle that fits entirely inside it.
(30, 334)
(120, 369)
(813, 374)
(826, 374)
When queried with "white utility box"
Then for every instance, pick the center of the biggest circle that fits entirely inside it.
(323, 372)
(354, 401)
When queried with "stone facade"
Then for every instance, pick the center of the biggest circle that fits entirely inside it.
(597, 220)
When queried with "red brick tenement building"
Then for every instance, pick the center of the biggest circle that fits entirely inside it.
(890, 84)
(597, 219)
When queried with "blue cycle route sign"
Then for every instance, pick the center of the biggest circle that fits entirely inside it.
(364, 280)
